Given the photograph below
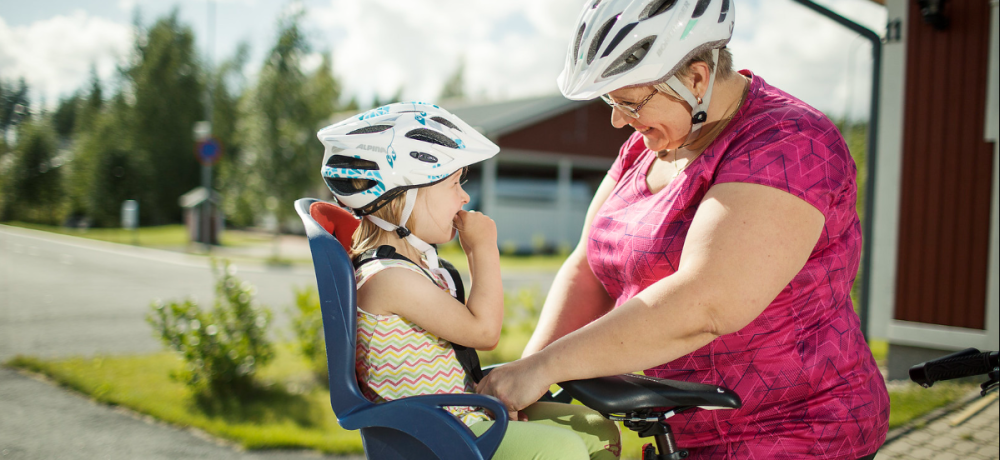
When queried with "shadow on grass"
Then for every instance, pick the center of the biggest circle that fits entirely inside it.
(273, 404)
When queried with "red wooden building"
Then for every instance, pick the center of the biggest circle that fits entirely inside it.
(934, 260)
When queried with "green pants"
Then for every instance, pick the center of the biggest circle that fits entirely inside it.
(558, 431)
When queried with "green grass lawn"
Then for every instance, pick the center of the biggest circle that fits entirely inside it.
(291, 412)
(163, 236)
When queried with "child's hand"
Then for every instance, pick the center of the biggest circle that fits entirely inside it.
(475, 229)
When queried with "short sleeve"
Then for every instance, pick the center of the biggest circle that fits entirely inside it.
(805, 157)
(627, 155)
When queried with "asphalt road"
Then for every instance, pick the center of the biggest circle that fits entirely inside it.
(62, 296)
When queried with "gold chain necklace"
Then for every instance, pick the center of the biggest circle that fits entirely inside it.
(715, 132)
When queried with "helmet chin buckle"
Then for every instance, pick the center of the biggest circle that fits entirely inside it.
(699, 118)
(403, 232)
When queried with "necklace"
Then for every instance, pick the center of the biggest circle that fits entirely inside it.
(711, 135)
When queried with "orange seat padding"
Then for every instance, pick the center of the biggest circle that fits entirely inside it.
(336, 220)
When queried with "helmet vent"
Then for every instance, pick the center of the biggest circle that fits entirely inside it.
(425, 157)
(724, 12)
(602, 33)
(349, 186)
(618, 38)
(370, 129)
(433, 137)
(700, 8)
(596, 2)
(444, 121)
(344, 186)
(579, 39)
(630, 58)
(656, 7)
(345, 162)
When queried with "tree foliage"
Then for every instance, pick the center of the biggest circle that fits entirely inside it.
(281, 115)
(108, 169)
(10, 98)
(33, 180)
(164, 83)
(130, 136)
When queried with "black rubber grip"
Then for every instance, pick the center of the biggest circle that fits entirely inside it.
(966, 363)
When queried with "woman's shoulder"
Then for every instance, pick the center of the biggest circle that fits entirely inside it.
(783, 142)
(773, 113)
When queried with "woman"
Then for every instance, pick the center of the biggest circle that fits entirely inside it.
(721, 247)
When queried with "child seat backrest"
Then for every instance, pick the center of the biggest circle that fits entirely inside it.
(338, 297)
(414, 428)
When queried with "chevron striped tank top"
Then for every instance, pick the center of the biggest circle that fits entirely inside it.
(395, 358)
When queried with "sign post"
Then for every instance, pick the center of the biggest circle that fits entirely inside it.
(208, 150)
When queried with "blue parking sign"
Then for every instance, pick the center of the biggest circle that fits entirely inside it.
(209, 151)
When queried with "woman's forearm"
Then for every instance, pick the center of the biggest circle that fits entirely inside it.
(664, 322)
(575, 299)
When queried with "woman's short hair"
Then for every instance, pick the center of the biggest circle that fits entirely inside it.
(725, 69)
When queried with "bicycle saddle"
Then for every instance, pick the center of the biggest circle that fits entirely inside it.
(627, 393)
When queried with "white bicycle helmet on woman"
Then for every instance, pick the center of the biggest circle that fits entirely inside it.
(628, 43)
(396, 149)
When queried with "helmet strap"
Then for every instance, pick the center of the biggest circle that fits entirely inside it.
(430, 253)
(699, 108)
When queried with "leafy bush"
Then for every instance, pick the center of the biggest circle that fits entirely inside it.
(223, 347)
(522, 309)
(307, 323)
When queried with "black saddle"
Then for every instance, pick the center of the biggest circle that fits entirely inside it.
(631, 393)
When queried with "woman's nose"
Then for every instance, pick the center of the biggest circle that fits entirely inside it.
(618, 119)
(464, 196)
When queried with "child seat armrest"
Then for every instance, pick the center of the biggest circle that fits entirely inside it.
(490, 440)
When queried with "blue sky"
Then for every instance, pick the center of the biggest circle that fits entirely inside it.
(512, 49)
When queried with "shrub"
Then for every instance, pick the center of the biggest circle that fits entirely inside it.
(522, 309)
(307, 323)
(224, 347)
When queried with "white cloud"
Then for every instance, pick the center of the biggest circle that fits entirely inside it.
(382, 45)
(516, 48)
(55, 55)
(511, 49)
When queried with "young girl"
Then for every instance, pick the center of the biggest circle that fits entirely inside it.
(401, 168)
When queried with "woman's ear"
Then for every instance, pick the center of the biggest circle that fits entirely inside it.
(698, 74)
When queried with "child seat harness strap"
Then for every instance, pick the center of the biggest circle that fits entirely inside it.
(466, 356)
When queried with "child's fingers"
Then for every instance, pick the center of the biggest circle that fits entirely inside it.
(459, 220)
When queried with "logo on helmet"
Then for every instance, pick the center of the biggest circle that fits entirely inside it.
(371, 148)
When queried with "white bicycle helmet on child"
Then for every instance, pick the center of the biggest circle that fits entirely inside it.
(397, 149)
(629, 43)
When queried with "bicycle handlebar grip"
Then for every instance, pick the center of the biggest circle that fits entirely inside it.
(966, 363)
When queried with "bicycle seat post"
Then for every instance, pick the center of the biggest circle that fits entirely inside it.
(660, 431)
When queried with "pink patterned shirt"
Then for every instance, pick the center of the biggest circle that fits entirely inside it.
(809, 384)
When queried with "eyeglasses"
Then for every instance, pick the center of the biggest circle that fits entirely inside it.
(627, 108)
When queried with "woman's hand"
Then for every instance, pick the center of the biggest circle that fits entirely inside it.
(517, 384)
(475, 230)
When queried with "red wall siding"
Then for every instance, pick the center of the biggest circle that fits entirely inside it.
(947, 170)
(585, 131)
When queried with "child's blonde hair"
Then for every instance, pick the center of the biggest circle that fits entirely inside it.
(370, 236)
